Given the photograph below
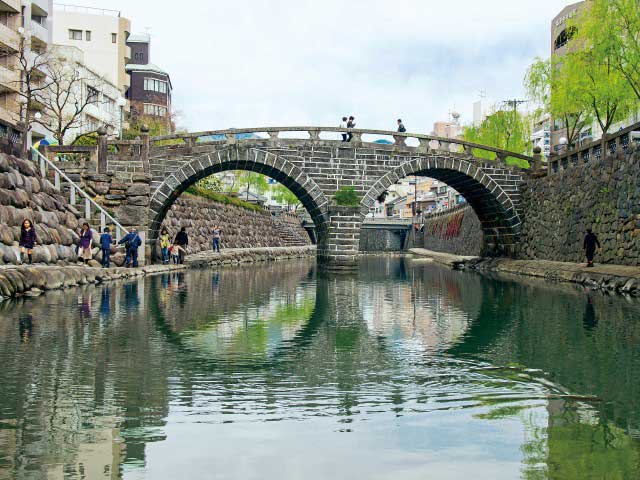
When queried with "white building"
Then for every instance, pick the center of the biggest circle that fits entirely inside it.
(101, 34)
(104, 110)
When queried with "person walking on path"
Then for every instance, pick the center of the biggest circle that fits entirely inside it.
(105, 245)
(182, 240)
(401, 128)
(131, 243)
(176, 252)
(165, 243)
(343, 126)
(84, 244)
(351, 123)
(589, 245)
(28, 240)
(217, 233)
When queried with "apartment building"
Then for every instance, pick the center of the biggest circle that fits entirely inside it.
(150, 91)
(25, 25)
(101, 34)
(103, 97)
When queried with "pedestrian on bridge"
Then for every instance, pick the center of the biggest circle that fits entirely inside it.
(343, 126)
(28, 240)
(589, 245)
(217, 235)
(132, 242)
(401, 128)
(182, 240)
(351, 123)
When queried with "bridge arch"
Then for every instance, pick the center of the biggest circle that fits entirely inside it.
(252, 159)
(494, 202)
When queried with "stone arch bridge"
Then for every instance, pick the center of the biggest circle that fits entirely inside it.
(314, 163)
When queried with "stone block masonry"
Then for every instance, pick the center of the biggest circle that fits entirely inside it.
(241, 228)
(457, 231)
(602, 194)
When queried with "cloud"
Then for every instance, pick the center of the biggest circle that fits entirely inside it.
(292, 62)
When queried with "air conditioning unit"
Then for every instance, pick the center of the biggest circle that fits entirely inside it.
(634, 136)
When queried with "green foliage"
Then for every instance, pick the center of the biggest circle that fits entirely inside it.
(347, 197)
(86, 140)
(553, 87)
(611, 31)
(283, 195)
(595, 60)
(599, 77)
(504, 129)
(252, 182)
(222, 198)
(211, 184)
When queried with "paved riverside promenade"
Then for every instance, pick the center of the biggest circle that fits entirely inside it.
(33, 280)
(618, 278)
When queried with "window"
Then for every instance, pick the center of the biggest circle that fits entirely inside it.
(114, 38)
(87, 35)
(564, 36)
(92, 94)
(75, 34)
(155, 110)
(155, 85)
(138, 56)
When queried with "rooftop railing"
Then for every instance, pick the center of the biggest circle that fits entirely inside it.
(82, 9)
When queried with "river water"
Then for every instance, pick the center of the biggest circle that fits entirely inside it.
(406, 370)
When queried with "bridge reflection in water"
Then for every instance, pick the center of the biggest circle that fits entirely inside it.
(427, 369)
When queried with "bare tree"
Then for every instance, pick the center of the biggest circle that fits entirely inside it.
(31, 66)
(69, 92)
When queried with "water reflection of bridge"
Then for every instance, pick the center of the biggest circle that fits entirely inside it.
(336, 334)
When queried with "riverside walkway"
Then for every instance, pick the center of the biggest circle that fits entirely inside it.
(610, 277)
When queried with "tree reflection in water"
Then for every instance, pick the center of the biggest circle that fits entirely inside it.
(93, 378)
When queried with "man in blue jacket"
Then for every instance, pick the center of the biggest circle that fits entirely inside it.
(131, 242)
(105, 245)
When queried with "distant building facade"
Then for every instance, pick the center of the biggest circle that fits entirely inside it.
(101, 34)
(103, 111)
(24, 25)
(150, 88)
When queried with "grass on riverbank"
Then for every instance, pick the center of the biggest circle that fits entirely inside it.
(222, 198)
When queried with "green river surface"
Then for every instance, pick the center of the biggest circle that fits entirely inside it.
(405, 370)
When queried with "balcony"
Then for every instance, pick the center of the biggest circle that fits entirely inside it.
(40, 8)
(11, 6)
(39, 34)
(9, 39)
(9, 80)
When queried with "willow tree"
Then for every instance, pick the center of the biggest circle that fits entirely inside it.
(552, 86)
(612, 29)
(506, 129)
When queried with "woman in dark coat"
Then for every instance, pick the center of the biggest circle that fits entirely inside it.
(28, 240)
(84, 244)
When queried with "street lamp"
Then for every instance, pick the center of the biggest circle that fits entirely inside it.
(122, 102)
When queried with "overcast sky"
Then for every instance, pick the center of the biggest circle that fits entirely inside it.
(250, 63)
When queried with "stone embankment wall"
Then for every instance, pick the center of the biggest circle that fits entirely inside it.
(381, 239)
(23, 194)
(602, 194)
(456, 231)
(33, 280)
(241, 228)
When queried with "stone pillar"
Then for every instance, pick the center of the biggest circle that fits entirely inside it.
(144, 151)
(103, 150)
(339, 246)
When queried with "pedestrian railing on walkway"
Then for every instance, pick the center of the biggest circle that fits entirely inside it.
(90, 206)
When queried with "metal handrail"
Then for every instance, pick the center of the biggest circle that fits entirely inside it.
(58, 174)
(314, 133)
